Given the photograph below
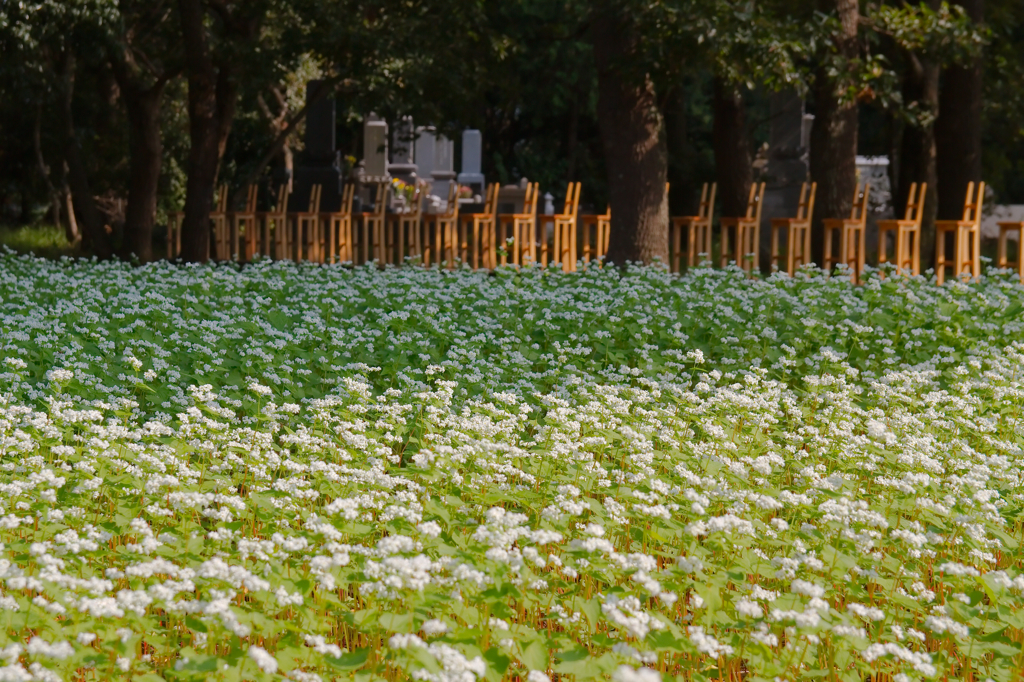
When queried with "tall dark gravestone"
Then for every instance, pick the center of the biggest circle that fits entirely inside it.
(786, 169)
(320, 162)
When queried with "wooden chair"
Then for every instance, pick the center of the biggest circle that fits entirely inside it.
(1005, 228)
(906, 233)
(478, 246)
(746, 233)
(174, 220)
(598, 226)
(275, 225)
(221, 226)
(245, 223)
(371, 232)
(695, 231)
(339, 229)
(966, 238)
(446, 226)
(307, 229)
(524, 231)
(851, 233)
(565, 229)
(798, 232)
(407, 229)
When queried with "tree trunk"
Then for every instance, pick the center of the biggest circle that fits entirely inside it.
(203, 155)
(917, 159)
(632, 134)
(94, 237)
(146, 151)
(733, 168)
(833, 157)
(958, 128)
(682, 199)
(56, 200)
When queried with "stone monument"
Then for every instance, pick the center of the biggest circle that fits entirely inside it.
(443, 174)
(319, 162)
(472, 155)
(403, 151)
(787, 163)
(375, 149)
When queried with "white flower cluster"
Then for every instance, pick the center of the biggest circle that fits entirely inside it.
(305, 472)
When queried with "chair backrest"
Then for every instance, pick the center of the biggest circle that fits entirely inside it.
(415, 204)
(805, 209)
(491, 203)
(754, 199)
(859, 209)
(707, 200)
(281, 207)
(314, 199)
(530, 200)
(572, 200)
(915, 202)
(250, 198)
(222, 199)
(972, 204)
(452, 209)
(380, 200)
(759, 203)
(346, 197)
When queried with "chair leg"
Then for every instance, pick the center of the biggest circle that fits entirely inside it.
(828, 250)
(976, 239)
(724, 255)
(1020, 257)
(792, 237)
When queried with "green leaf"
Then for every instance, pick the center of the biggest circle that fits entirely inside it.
(350, 661)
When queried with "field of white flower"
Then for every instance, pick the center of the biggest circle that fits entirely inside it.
(321, 473)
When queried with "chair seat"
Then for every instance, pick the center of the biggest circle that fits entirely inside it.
(682, 219)
(1011, 225)
(948, 225)
(791, 222)
(896, 224)
(833, 223)
(737, 221)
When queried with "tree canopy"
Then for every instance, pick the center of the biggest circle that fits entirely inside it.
(118, 111)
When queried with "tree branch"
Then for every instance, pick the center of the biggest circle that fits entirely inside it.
(325, 87)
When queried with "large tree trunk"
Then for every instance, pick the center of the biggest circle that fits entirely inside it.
(733, 168)
(958, 128)
(833, 157)
(94, 236)
(203, 155)
(917, 158)
(146, 156)
(634, 145)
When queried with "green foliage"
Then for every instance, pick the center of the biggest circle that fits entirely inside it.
(45, 241)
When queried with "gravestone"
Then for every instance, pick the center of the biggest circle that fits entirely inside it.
(403, 161)
(425, 150)
(875, 171)
(375, 149)
(444, 166)
(320, 162)
(787, 163)
(472, 155)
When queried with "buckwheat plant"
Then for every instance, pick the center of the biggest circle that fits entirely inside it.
(313, 473)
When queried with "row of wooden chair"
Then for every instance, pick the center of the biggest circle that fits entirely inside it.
(845, 237)
(487, 239)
